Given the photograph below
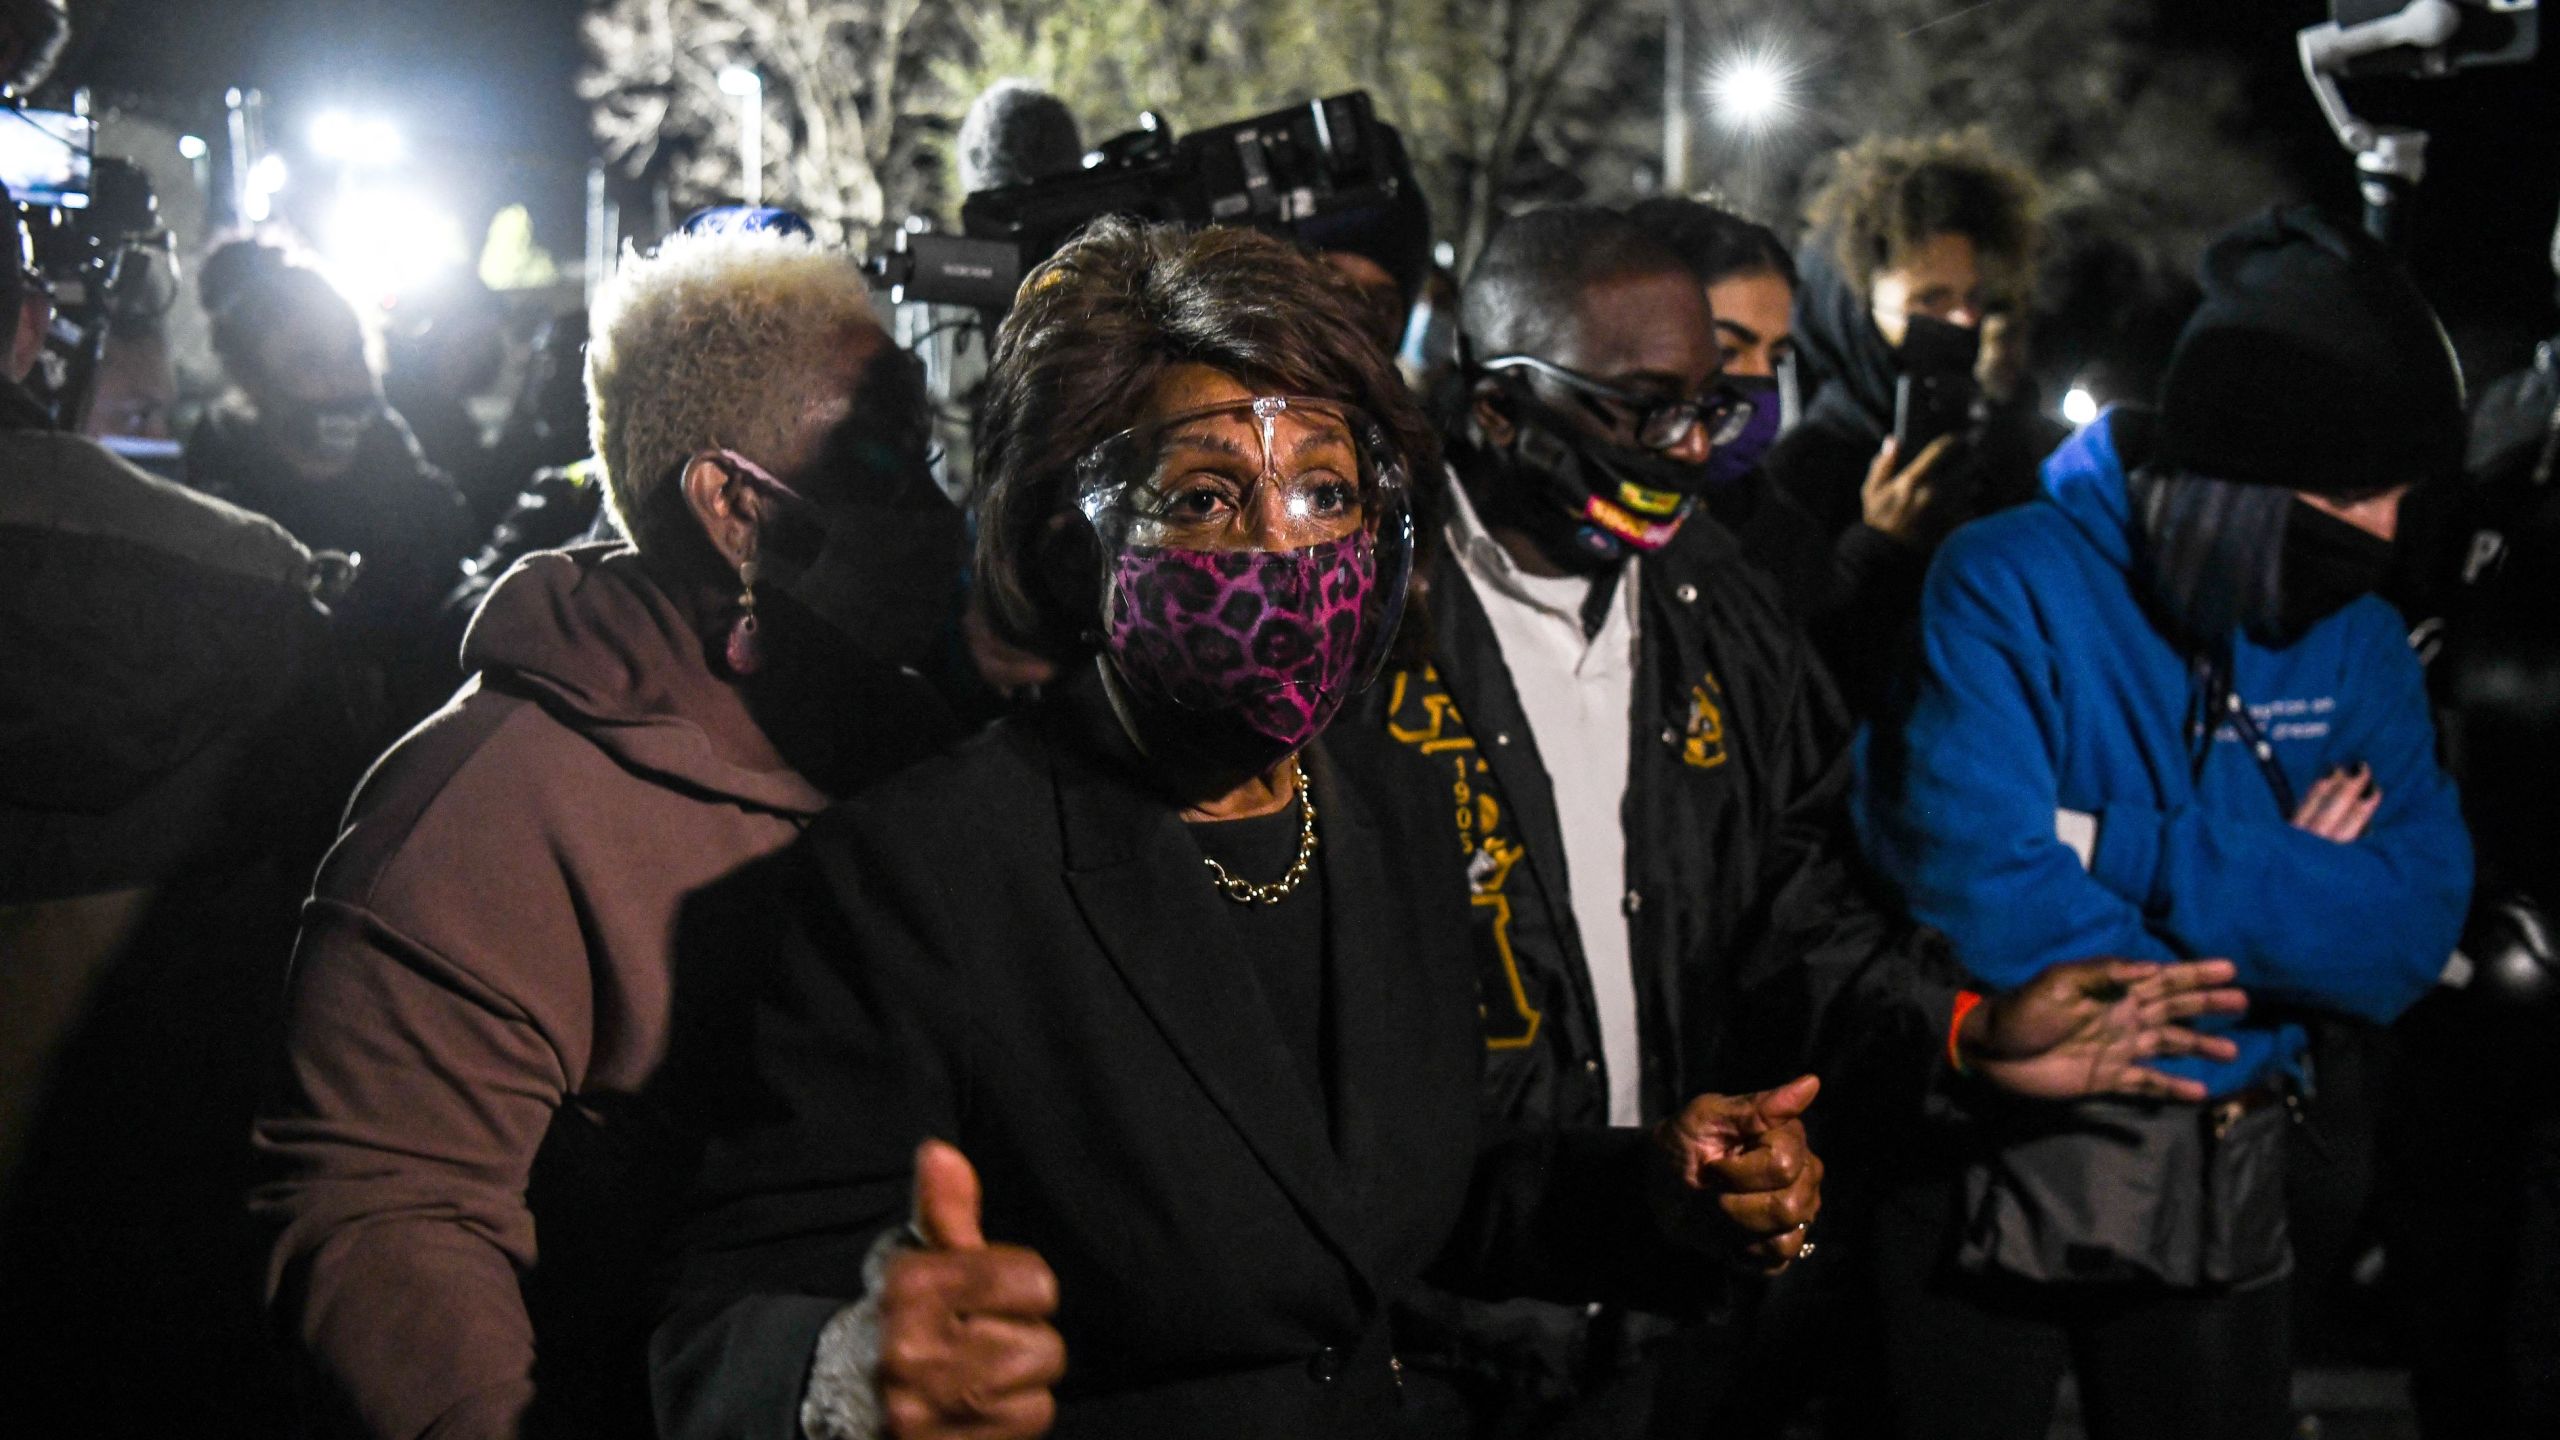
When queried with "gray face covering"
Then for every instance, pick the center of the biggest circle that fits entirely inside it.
(2210, 551)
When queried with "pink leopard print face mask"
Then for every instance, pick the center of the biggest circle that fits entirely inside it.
(1271, 641)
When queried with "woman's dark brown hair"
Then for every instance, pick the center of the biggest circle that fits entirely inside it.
(1095, 327)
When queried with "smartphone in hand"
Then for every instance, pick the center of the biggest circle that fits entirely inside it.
(1935, 393)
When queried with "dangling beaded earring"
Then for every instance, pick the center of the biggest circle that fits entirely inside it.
(746, 644)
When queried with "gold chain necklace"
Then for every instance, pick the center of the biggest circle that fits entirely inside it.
(1245, 892)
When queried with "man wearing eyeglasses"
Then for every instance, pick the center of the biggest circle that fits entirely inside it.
(1646, 770)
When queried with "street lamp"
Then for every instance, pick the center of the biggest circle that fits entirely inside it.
(748, 88)
(1752, 88)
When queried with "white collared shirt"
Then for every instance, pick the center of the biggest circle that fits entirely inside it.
(1577, 694)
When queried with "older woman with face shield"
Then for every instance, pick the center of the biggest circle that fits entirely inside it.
(1114, 1072)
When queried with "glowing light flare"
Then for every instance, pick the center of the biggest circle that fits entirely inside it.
(2079, 406)
(267, 178)
(350, 140)
(192, 147)
(739, 80)
(381, 243)
(1753, 88)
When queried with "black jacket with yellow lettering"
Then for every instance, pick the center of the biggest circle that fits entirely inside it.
(1759, 950)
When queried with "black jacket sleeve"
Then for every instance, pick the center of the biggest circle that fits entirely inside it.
(1863, 623)
(1836, 970)
(849, 1054)
(1566, 1216)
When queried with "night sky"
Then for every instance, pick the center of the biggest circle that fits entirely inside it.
(483, 88)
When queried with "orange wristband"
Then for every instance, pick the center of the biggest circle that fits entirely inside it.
(1965, 1001)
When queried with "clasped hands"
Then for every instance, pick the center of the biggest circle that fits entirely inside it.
(1735, 1176)
(1739, 1177)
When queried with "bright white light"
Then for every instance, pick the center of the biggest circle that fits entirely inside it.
(379, 142)
(739, 80)
(1752, 88)
(333, 134)
(337, 135)
(381, 243)
(2079, 406)
(268, 176)
(192, 147)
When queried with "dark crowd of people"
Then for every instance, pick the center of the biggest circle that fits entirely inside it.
(1689, 862)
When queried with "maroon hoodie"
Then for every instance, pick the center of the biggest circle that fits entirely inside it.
(461, 1153)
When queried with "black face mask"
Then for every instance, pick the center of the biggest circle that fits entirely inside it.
(879, 557)
(2327, 563)
(884, 575)
(2218, 554)
(1585, 503)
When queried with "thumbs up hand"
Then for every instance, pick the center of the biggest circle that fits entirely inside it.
(1736, 1175)
(966, 1347)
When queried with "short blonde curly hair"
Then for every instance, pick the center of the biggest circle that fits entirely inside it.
(706, 344)
(1887, 195)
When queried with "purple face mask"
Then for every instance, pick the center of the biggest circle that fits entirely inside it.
(1270, 641)
(1734, 458)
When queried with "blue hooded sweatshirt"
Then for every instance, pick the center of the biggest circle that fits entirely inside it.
(2044, 687)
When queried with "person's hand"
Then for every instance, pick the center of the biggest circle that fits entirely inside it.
(1737, 1177)
(2340, 805)
(966, 1347)
(2089, 1026)
(1907, 502)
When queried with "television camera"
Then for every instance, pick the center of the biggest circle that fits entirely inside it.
(1277, 171)
(99, 245)
(1309, 171)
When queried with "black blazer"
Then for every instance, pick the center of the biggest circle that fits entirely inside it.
(1009, 948)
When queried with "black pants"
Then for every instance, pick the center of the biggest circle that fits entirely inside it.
(1965, 1359)
(2471, 1196)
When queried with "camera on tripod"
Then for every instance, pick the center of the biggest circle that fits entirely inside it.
(1275, 172)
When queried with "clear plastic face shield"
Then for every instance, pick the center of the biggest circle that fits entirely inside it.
(1254, 559)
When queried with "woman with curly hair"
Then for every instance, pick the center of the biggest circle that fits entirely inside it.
(1917, 265)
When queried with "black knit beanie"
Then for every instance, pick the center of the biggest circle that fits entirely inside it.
(2313, 363)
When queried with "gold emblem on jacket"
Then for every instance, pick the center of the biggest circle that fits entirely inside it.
(1702, 744)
